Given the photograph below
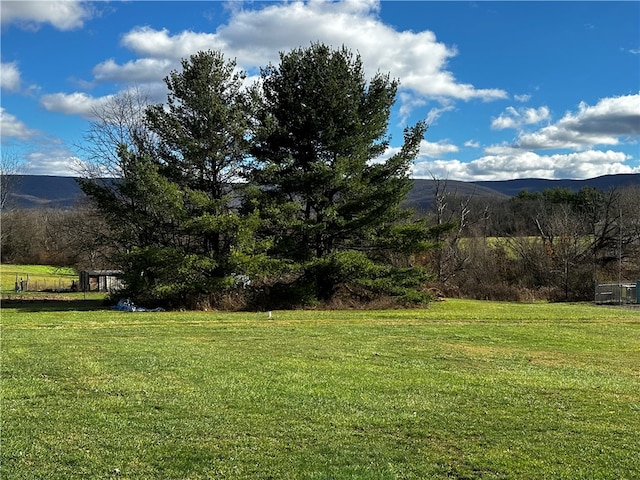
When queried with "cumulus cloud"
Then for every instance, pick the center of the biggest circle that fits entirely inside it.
(160, 44)
(10, 77)
(436, 149)
(138, 71)
(510, 163)
(601, 124)
(86, 106)
(449, 169)
(56, 161)
(73, 103)
(516, 118)
(255, 37)
(12, 128)
(427, 150)
(61, 14)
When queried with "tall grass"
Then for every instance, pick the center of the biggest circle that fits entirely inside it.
(463, 389)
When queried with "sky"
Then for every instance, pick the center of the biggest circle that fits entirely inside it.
(509, 89)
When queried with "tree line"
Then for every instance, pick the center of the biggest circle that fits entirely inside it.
(551, 245)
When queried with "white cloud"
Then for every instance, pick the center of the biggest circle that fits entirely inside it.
(138, 71)
(10, 77)
(61, 14)
(427, 150)
(601, 124)
(73, 103)
(12, 128)
(516, 118)
(435, 112)
(436, 149)
(506, 164)
(409, 102)
(160, 44)
(56, 161)
(255, 37)
(443, 169)
(86, 106)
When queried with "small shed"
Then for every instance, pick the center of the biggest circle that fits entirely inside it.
(618, 293)
(100, 280)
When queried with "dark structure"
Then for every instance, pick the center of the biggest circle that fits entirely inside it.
(618, 293)
(100, 280)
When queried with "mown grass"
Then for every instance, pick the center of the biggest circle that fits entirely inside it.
(463, 389)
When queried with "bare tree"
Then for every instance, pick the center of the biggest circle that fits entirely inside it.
(451, 217)
(629, 232)
(10, 168)
(118, 121)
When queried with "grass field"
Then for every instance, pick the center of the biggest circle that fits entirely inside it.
(40, 277)
(463, 389)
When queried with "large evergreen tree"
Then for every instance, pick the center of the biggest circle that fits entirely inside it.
(331, 202)
(173, 207)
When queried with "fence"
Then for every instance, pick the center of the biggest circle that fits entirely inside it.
(618, 293)
(41, 283)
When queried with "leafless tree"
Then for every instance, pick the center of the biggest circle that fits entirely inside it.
(10, 168)
(451, 217)
(629, 233)
(118, 121)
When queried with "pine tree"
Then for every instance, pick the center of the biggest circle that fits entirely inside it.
(325, 192)
(175, 205)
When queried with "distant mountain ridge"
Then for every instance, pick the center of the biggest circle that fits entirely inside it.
(605, 182)
(33, 191)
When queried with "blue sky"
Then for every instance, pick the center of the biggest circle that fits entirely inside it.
(510, 89)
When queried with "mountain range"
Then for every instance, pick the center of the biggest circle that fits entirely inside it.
(33, 191)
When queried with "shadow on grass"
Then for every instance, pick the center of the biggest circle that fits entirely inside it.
(27, 304)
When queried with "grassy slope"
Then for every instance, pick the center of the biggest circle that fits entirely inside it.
(461, 390)
(45, 276)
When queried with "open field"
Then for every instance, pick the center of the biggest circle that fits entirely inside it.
(40, 277)
(462, 389)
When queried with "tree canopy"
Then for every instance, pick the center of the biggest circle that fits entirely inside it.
(323, 186)
(283, 180)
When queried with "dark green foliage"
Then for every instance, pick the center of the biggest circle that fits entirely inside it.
(362, 278)
(172, 209)
(202, 130)
(202, 148)
(318, 212)
(329, 201)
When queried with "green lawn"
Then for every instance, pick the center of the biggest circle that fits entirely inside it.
(463, 389)
(40, 277)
